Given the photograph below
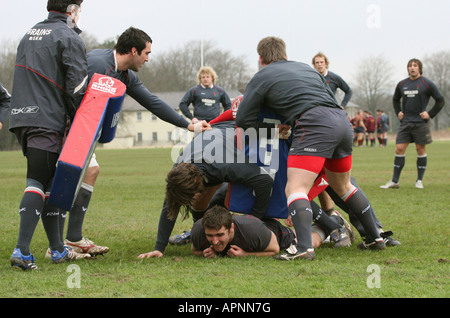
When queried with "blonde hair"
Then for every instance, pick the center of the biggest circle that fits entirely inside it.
(320, 54)
(272, 49)
(207, 70)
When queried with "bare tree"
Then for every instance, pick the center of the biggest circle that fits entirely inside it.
(373, 85)
(176, 70)
(437, 68)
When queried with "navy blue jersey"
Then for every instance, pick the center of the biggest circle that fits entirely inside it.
(206, 102)
(414, 96)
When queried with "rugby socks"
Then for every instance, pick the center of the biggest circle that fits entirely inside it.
(62, 223)
(360, 206)
(399, 163)
(301, 215)
(30, 212)
(327, 223)
(76, 215)
(421, 166)
(50, 220)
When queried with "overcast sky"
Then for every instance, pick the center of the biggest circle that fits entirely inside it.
(346, 30)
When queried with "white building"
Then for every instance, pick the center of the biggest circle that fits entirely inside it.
(140, 128)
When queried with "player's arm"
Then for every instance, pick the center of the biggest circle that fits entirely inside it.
(76, 80)
(5, 101)
(155, 105)
(346, 89)
(250, 107)
(272, 249)
(438, 98)
(225, 116)
(185, 102)
(253, 176)
(396, 100)
(225, 101)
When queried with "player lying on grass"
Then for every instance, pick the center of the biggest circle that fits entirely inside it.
(192, 183)
(219, 233)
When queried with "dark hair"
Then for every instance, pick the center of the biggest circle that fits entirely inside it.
(216, 217)
(132, 38)
(418, 63)
(184, 181)
(61, 5)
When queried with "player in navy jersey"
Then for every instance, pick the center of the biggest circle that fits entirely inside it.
(410, 104)
(321, 63)
(206, 97)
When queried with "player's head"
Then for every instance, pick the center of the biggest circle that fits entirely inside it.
(136, 45)
(132, 38)
(219, 229)
(272, 49)
(206, 76)
(417, 63)
(62, 5)
(320, 62)
(184, 183)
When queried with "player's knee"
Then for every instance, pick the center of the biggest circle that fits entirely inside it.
(91, 175)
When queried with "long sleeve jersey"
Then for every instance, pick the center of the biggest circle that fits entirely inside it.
(103, 61)
(412, 96)
(335, 82)
(50, 77)
(288, 88)
(206, 102)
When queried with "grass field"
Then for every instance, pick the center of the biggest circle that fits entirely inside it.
(124, 215)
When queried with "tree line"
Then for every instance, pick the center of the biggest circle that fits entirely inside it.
(176, 70)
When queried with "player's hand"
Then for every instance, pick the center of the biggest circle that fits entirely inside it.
(199, 127)
(401, 115)
(209, 253)
(284, 131)
(425, 115)
(288, 222)
(236, 251)
(155, 253)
